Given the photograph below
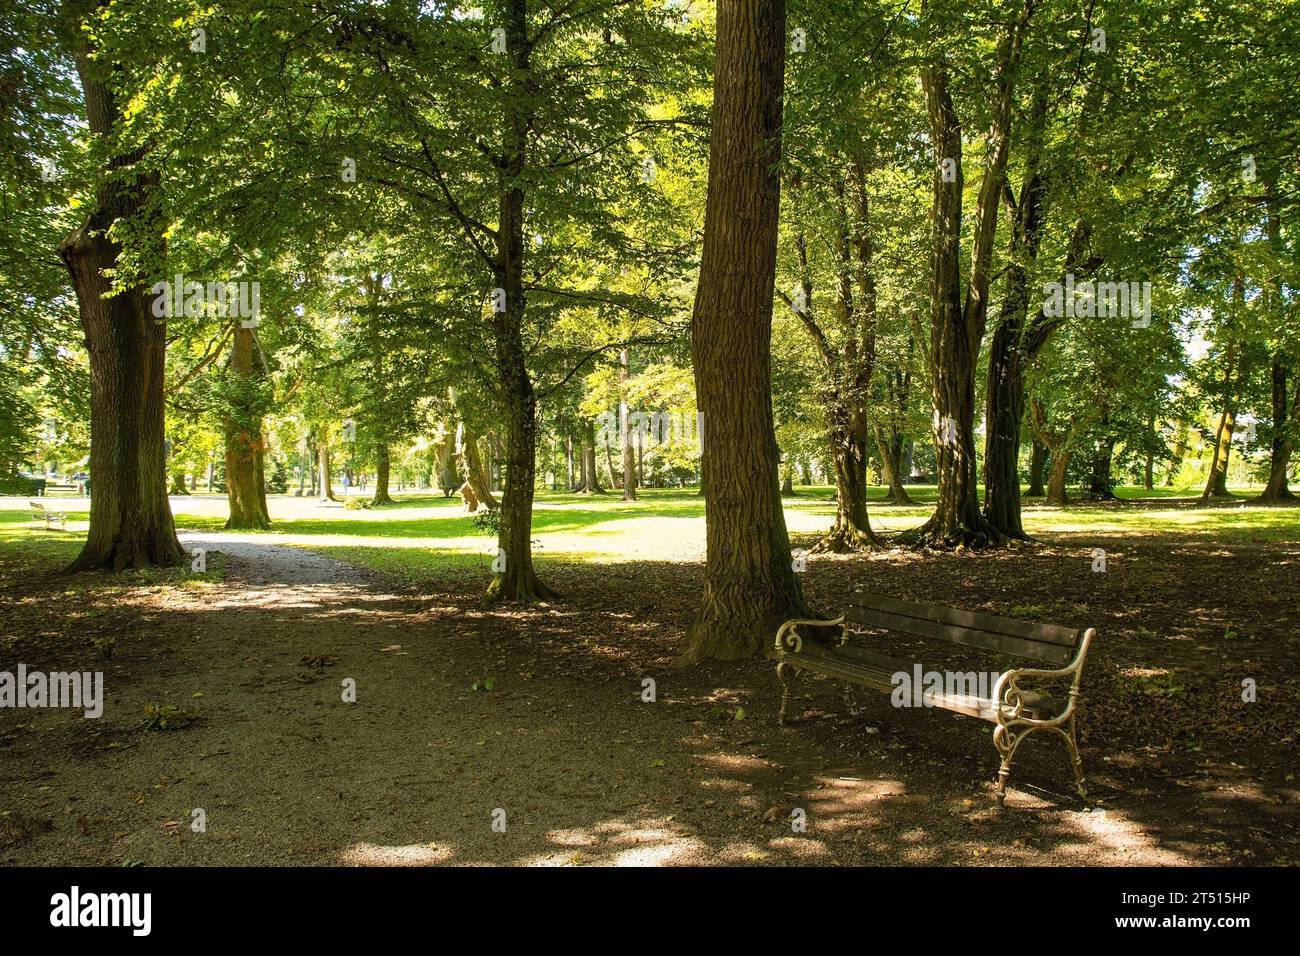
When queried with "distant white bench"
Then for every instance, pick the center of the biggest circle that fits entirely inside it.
(49, 519)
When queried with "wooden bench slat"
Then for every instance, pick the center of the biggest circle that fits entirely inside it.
(992, 623)
(1051, 653)
(840, 663)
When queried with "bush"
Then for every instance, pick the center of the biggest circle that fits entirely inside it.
(278, 483)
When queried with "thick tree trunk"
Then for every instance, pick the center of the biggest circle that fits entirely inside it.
(245, 445)
(1005, 392)
(1285, 426)
(324, 488)
(1037, 464)
(1216, 485)
(448, 477)
(1179, 453)
(956, 333)
(471, 463)
(1100, 487)
(749, 582)
(517, 580)
(1004, 410)
(852, 529)
(178, 482)
(383, 465)
(590, 474)
(131, 522)
(890, 448)
(1056, 490)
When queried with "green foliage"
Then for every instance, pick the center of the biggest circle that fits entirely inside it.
(167, 717)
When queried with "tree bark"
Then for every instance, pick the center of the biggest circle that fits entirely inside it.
(1056, 489)
(1179, 453)
(1216, 485)
(383, 466)
(517, 580)
(1037, 464)
(245, 444)
(1103, 456)
(131, 522)
(629, 452)
(1058, 443)
(1285, 426)
(749, 581)
(471, 463)
(1005, 393)
(957, 327)
(324, 487)
(890, 448)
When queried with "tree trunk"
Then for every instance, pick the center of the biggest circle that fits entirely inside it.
(1037, 464)
(516, 580)
(131, 522)
(1005, 392)
(383, 465)
(1004, 410)
(852, 529)
(471, 463)
(1056, 491)
(448, 477)
(957, 324)
(178, 484)
(955, 338)
(890, 448)
(1179, 453)
(324, 488)
(787, 479)
(1285, 427)
(1100, 487)
(589, 477)
(749, 581)
(568, 463)
(1216, 485)
(245, 445)
(629, 453)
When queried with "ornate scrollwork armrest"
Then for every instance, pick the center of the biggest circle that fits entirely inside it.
(787, 638)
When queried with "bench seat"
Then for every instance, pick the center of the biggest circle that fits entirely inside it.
(1017, 711)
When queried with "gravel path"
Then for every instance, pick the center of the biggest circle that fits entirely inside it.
(500, 736)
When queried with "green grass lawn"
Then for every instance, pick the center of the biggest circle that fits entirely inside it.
(423, 536)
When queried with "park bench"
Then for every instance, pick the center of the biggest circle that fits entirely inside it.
(48, 519)
(1017, 712)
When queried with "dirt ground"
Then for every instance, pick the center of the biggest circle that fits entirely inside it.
(463, 712)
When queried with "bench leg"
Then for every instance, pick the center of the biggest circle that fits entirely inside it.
(1006, 742)
(787, 675)
(1072, 741)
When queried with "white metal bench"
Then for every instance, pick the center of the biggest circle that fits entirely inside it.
(43, 517)
(1017, 711)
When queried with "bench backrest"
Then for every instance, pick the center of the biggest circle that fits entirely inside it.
(37, 505)
(1049, 643)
